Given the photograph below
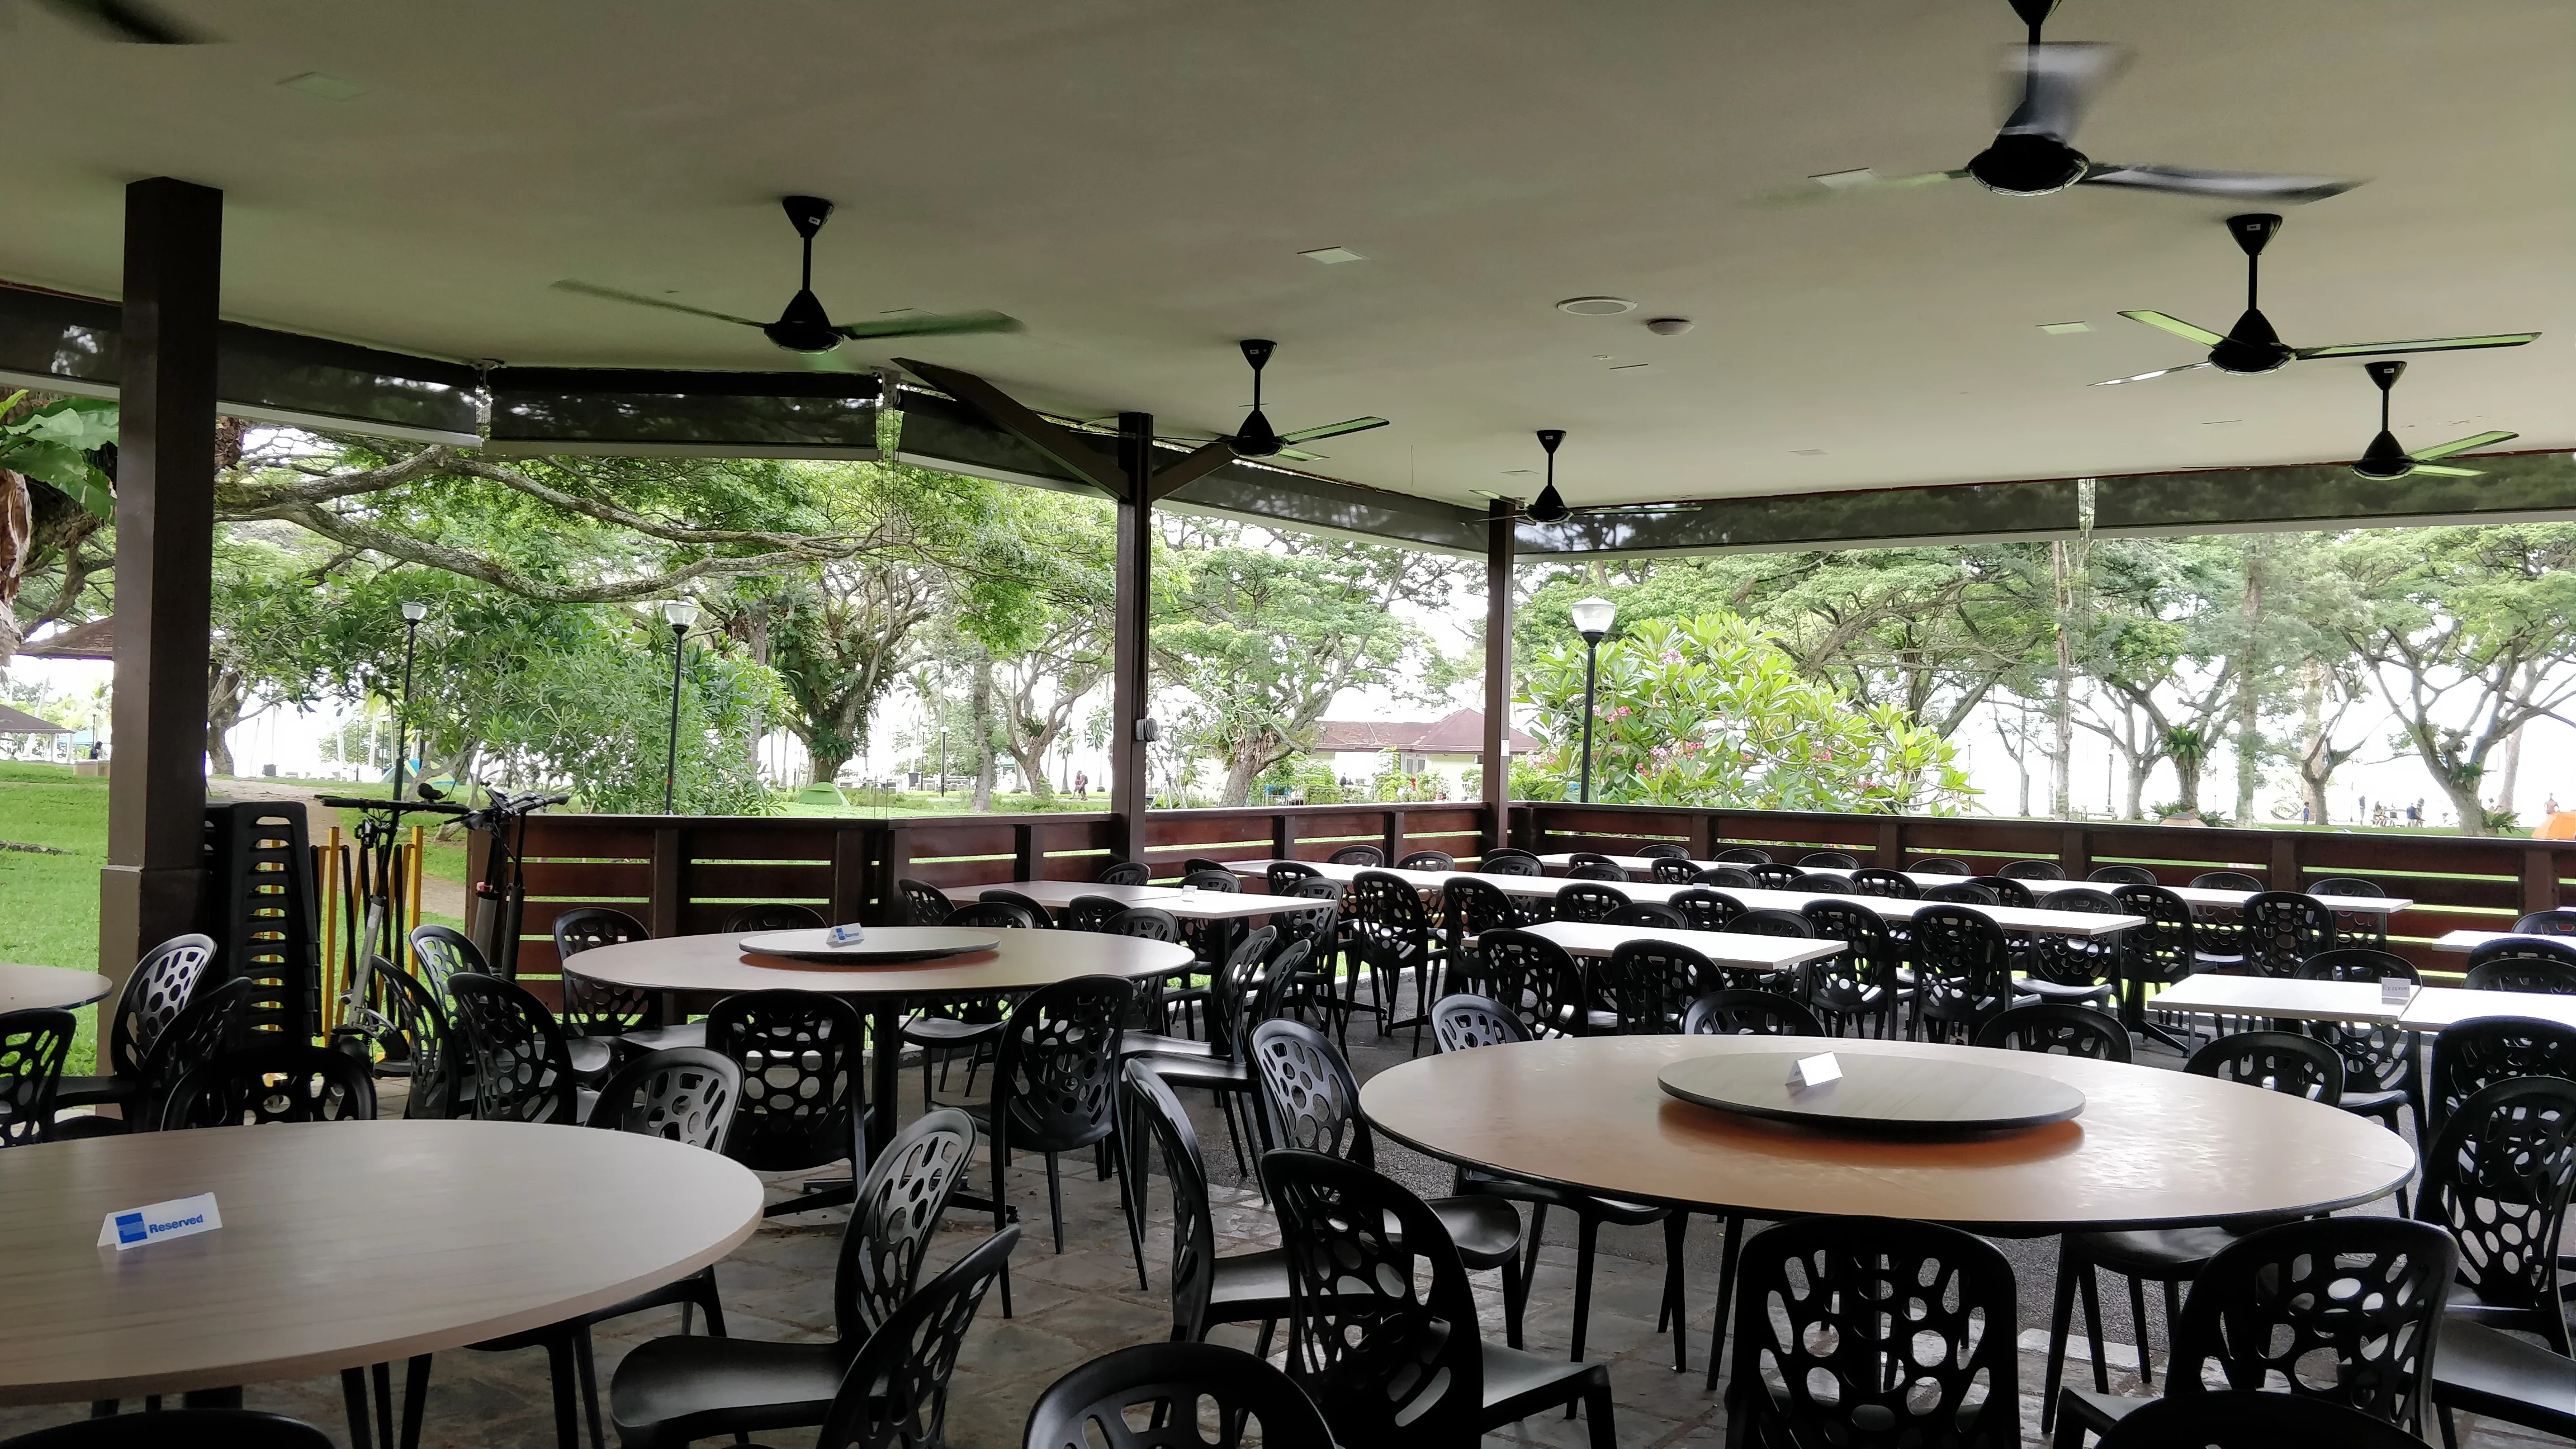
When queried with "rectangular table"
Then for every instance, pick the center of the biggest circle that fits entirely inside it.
(2191, 895)
(1726, 948)
(2436, 1007)
(1192, 905)
(2275, 996)
(2466, 941)
(1058, 894)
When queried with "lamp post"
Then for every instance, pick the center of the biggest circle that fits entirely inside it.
(1592, 620)
(412, 612)
(679, 614)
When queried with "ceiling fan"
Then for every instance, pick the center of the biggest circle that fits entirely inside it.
(1550, 506)
(2384, 461)
(2252, 346)
(131, 21)
(804, 326)
(1258, 439)
(2034, 154)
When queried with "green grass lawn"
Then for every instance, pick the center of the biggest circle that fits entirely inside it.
(49, 903)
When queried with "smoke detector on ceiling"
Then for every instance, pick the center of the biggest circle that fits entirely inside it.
(1669, 326)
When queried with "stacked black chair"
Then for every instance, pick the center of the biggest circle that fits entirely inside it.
(2120, 875)
(2381, 1063)
(772, 916)
(2342, 1309)
(1314, 1105)
(278, 1081)
(34, 1044)
(1890, 884)
(1828, 860)
(924, 904)
(1727, 877)
(1705, 909)
(178, 1429)
(2059, 1029)
(522, 1064)
(1962, 969)
(1393, 1367)
(1207, 1288)
(2039, 870)
(2496, 1178)
(1055, 1090)
(2284, 929)
(1368, 856)
(1835, 1374)
(799, 1055)
(2523, 964)
(1535, 979)
(1137, 1398)
(671, 1391)
(2471, 1056)
(1125, 872)
(157, 990)
(1463, 1023)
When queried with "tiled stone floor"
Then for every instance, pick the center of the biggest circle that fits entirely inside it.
(1072, 1307)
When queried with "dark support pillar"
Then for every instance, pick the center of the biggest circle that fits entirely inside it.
(165, 519)
(1498, 674)
(1128, 700)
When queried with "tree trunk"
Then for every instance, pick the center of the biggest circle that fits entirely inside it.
(2316, 768)
(827, 754)
(2061, 704)
(2249, 732)
(223, 711)
(983, 709)
(17, 543)
(2510, 777)
(1240, 772)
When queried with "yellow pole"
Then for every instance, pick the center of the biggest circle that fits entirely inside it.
(330, 887)
(418, 841)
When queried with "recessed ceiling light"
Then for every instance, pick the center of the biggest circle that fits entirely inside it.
(328, 87)
(1596, 306)
(1330, 255)
(1806, 452)
(2065, 329)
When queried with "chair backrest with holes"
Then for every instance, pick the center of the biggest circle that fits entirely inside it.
(1727, 877)
(1535, 980)
(2470, 1056)
(685, 1095)
(1144, 923)
(2058, 1029)
(2345, 885)
(1428, 860)
(33, 1047)
(195, 1037)
(2284, 928)
(1150, 1397)
(1964, 893)
(1776, 877)
(1961, 964)
(1285, 873)
(1829, 860)
(1225, 882)
(2047, 870)
(1510, 862)
(2007, 891)
(587, 928)
(441, 952)
(1664, 850)
(1092, 913)
(1039, 917)
(598, 1008)
(272, 1082)
(1674, 870)
(2277, 1061)
(1597, 870)
(1125, 872)
(2071, 960)
(1391, 1353)
(1845, 981)
(925, 904)
(2357, 963)
(1463, 1023)
(1471, 907)
(2225, 880)
(772, 916)
(1939, 865)
(1740, 1011)
(2559, 922)
(1360, 855)
(1742, 855)
(2523, 965)
(1151, 1108)
(1651, 915)
(522, 1067)
(155, 993)
(2122, 875)
(1705, 909)
(900, 1202)
(1872, 881)
(1393, 924)
(798, 1052)
(2496, 1178)
(2343, 1309)
(1588, 900)
(991, 915)
(1812, 1293)
(1057, 1065)
(1650, 983)
(2161, 949)
(1769, 923)
(895, 1394)
(1309, 1091)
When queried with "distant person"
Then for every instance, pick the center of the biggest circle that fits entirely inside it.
(2415, 813)
(93, 749)
(1081, 785)
(2547, 807)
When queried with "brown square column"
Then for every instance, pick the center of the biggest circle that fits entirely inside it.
(1128, 696)
(1499, 524)
(165, 520)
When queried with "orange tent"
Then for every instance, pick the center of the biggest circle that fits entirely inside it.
(2561, 826)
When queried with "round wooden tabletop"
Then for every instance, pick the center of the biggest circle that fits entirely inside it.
(30, 988)
(1024, 961)
(2152, 1148)
(343, 1244)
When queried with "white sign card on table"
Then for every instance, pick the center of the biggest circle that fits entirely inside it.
(1816, 1071)
(180, 1217)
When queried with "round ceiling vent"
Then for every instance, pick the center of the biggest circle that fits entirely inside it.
(1596, 306)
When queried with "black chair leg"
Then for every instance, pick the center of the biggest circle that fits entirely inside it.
(2138, 1319)
(2093, 1328)
(1725, 1292)
(1596, 1407)
(1587, 1238)
(384, 1377)
(565, 1377)
(1515, 1300)
(415, 1399)
(1055, 1202)
(1001, 1150)
(353, 1389)
(2450, 1431)
(2059, 1314)
(587, 1362)
(1676, 1302)
(1537, 1235)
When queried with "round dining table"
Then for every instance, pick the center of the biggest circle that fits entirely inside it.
(1024, 960)
(341, 1245)
(31, 988)
(2150, 1147)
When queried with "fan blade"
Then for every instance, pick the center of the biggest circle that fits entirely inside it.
(1299, 456)
(2059, 80)
(131, 21)
(1332, 430)
(1837, 183)
(2459, 445)
(588, 289)
(931, 324)
(2143, 376)
(2244, 185)
(2440, 470)
(2166, 322)
(2421, 344)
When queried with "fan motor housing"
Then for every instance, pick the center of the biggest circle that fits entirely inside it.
(2028, 165)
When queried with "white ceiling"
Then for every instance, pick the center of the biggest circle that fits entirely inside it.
(1135, 178)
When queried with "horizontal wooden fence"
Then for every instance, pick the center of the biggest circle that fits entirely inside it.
(685, 875)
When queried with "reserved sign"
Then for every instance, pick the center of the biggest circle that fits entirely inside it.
(180, 1217)
(1816, 1071)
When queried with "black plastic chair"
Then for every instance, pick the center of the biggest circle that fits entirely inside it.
(1510, 862)
(2160, 952)
(1817, 1360)
(1282, 874)
(1395, 934)
(671, 1391)
(1889, 884)
(156, 991)
(2342, 1309)
(1314, 1105)
(2041, 870)
(1962, 968)
(2382, 1074)
(271, 1082)
(1223, 882)
(1055, 1090)
(34, 1044)
(1727, 877)
(2559, 922)
(1963, 893)
(2277, 1061)
(1207, 1289)
(1092, 913)
(1197, 863)
(1581, 858)
(1468, 909)
(2246, 1419)
(993, 914)
(1664, 850)
(522, 1065)
(1244, 995)
(1125, 872)
(2345, 885)
(1859, 982)
(1396, 1362)
(196, 1036)
(1827, 882)
(1939, 865)
(2354, 928)
(2497, 1179)
(1673, 870)
(1707, 910)
(2073, 969)
(1742, 855)
(1144, 923)
(1770, 923)
(2283, 929)
(801, 1099)
(1600, 870)
(178, 1429)
(1744, 1011)
(1536, 980)
(1150, 1397)
(772, 916)
(443, 953)
(1428, 860)
(1465, 1021)
(1652, 915)
(1037, 915)
(1647, 984)
(1320, 983)
(2225, 880)
(1776, 877)
(1828, 860)
(2058, 1029)
(2006, 890)
(599, 1017)
(924, 904)
(2120, 875)
(1368, 856)
(2523, 965)
(2471, 1056)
